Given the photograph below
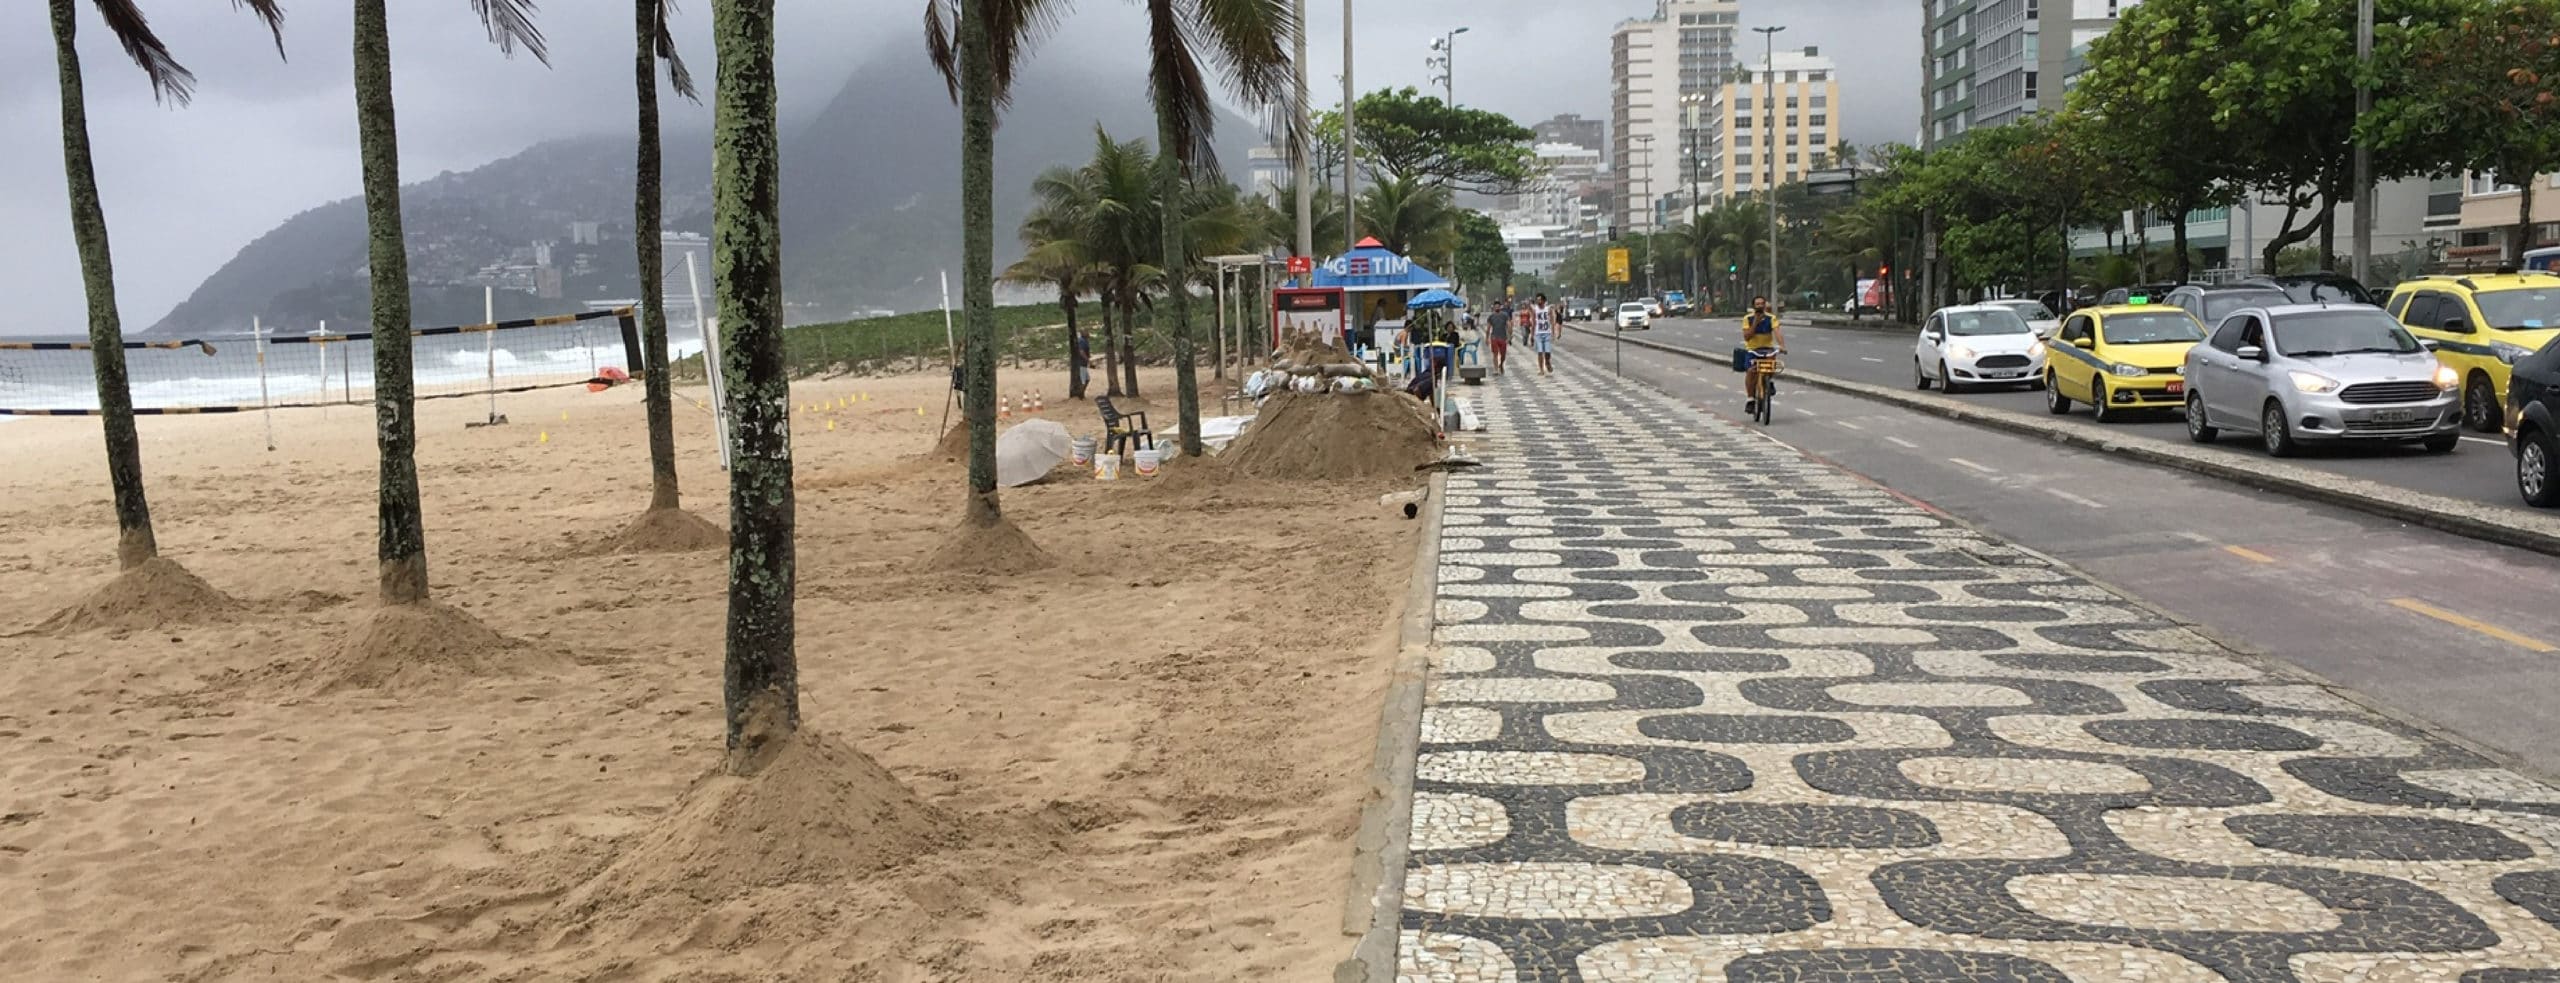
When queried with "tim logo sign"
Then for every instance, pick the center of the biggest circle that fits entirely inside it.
(1369, 266)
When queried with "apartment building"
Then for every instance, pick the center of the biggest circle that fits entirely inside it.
(1771, 124)
(1989, 62)
(1686, 48)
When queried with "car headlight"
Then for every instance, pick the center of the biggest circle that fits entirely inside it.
(2313, 382)
(2128, 371)
(2509, 353)
(2035, 350)
(1960, 351)
(2447, 379)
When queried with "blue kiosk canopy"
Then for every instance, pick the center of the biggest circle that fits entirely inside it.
(1370, 267)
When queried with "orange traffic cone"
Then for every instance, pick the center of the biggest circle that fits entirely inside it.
(1038, 404)
(1004, 407)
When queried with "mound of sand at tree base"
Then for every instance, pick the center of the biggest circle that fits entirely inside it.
(1328, 436)
(999, 549)
(668, 531)
(157, 592)
(817, 812)
(411, 647)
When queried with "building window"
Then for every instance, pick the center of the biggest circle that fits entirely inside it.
(1820, 101)
(1791, 102)
(1817, 77)
(2487, 184)
(1818, 119)
(1791, 120)
(1742, 139)
(1791, 157)
(2479, 237)
(1790, 78)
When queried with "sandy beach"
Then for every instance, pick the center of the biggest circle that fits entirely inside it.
(1142, 763)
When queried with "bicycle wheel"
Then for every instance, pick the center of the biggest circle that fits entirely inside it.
(1768, 398)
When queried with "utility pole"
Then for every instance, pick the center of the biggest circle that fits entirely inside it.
(2362, 266)
(1769, 136)
(1350, 146)
(1447, 46)
(1303, 147)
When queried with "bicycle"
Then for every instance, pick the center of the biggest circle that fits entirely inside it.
(1764, 372)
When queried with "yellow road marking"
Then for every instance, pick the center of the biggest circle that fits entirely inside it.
(2525, 642)
(2248, 554)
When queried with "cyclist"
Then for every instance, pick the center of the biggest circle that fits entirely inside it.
(1760, 338)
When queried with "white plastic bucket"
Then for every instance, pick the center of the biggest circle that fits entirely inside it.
(1106, 467)
(1147, 463)
(1080, 450)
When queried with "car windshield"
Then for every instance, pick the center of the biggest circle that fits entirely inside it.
(2158, 328)
(2322, 292)
(1631, 306)
(2220, 304)
(2030, 310)
(2521, 307)
(2342, 332)
(1995, 321)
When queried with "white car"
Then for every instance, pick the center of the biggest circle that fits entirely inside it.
(1977, 345)
(1652, 307)
(1633, 314)
(2039, 317)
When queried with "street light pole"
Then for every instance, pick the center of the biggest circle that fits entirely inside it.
(1350, 147)
(2364, 151)
(1448, 48)
(1691, 104)
(1769, 136)
(1304, 147)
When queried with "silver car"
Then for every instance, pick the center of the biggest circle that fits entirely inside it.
(2040, 318)
(2298, 373)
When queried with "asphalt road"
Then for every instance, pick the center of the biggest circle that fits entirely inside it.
(2454, 631)
(2480, 471)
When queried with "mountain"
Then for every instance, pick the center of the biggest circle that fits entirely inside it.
(871, 206)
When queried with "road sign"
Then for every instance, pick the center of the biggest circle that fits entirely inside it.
(1618, 266)
(1301, 265)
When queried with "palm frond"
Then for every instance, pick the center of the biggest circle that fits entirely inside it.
(269, 12)
(1185, 113)
(1014, 28)
(170, 81)
(677, 75)
(510, 24)
(1250, 42)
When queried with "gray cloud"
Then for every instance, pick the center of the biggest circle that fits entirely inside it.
(265, 139)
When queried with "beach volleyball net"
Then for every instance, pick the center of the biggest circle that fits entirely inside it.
(262, 370)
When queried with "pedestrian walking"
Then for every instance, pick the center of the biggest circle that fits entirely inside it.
(1542, 334)
(1499, 335)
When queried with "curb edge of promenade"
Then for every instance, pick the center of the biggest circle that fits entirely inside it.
(2507, 527)
(1374, 910)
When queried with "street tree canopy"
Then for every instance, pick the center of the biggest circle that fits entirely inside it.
(1413, 137)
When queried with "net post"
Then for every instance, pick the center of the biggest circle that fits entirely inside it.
(631, 350)
(266, 411)
(489, 345)
(709, 327)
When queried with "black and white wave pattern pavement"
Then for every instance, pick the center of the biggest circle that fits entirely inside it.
(1705, 709)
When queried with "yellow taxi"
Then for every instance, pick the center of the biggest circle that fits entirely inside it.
(2120, 357)
(2480, 325)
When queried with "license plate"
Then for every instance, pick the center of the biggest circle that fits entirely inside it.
(2394, 416)
(2175, 388)
(2002, 375)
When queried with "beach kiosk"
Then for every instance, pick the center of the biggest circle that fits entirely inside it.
(1360, 293)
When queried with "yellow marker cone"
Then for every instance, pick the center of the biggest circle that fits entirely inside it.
(543, 438)
(831, 426)
(919, 411)
(564, 414)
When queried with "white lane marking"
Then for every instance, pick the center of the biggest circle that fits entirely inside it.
(1818, 351)
(1902, 443)
(1970, 464)
(2197, 537)
(1849, 425)
(1869, 358)
(2074, 499)
(2485, 440)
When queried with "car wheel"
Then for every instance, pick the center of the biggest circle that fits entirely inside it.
(2442, 443)
(2276, 431)
(2534, 453)
(1919, 377)
(2054, 401)
(1946, 379)
(2099, 408)
(2199, 426)
(2480, 405)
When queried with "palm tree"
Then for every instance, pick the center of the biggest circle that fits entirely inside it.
(657, 43)
(171, 83)
(1054, 257)
(1411, 217)
(403, 539)
(761, 674)
(1121, 230)
(1325, 204)
(1250, 39)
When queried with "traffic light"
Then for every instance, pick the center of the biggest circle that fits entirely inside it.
(1732, 267)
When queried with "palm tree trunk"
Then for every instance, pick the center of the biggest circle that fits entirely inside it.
(977, 254)
(1110, 347)
(1075, 370)
(402, 546)
(1129, 342)
(761, 675)
(1177, 293)
(658, 386)
(134, 541)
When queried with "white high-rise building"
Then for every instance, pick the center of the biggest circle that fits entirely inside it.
(1686, 48)
(1568, 173)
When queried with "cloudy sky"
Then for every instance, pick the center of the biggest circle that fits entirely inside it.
(265, 139)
